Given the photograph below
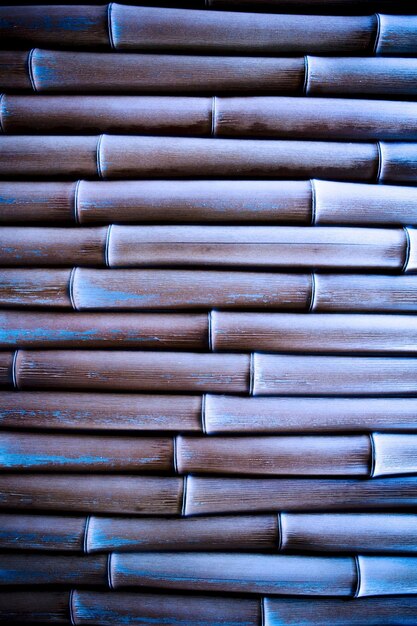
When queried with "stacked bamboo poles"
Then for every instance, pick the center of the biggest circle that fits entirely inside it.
(208, 344)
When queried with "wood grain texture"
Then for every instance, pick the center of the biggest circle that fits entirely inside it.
(43, 410)
(14, 71)
(80, 453)
(341, 612)
(136, 28)
(325, 333)
(118, 114)
(45, 607)
(189, 289)
(191, 157)
(34, 569)
(275, 456)
(57, 26)
(204, 201)
(35, 288)
(206, 495)
(349, 532)
(23, 202)
(366, 76)
(171, 610)
(103, 330)
(188, 201)
(333, 375)
(344, 203)
(93, 72)
(132, 371)
(31, 246)
(329, 118)
(105, 493)
(248, 532)
(394, 454)
(257, 573)
(147, 289)
(387, 575)
(42, 532)
(6, 369)
(239, 414)
(282, 247)
(65, 156)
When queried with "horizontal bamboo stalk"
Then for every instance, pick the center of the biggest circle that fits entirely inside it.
(182, 371)
(173, 201)
(275, 574)
(218, 331)
(111, 608)
(282, 531)
(274, 456)
(46, 607)
(206, 496)
(87, 289)
(55, 26)
(339, 612)
(242, 415)
(332, 375)
(225, 572)
(45, 410)
(34, 569)
(161, 496)
(94, 72)
(213, 414)
(136, 371)
(95, 330)
(99, 493)
(140, 156)
(292, 332)
(35, 288)
(303, 455)
(268, 116)
(260, 374)
(148, 28)
(282, 247)
(42, 532)
(135, 28)
(68, 452)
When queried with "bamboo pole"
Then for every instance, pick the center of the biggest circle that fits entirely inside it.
(261, 116)
(280, 531)
(258, 374)
(147, 289)
(210, 413)
(147, 28)
(94, 72)
(203, 201)
(282, 247)
(201, 495)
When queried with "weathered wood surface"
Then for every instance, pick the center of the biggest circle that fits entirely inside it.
(203, 201)
(283, 247)
(94, 72)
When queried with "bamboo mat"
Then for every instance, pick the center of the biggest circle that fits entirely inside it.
(208, 297)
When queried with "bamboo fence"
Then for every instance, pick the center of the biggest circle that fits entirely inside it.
(208, 297)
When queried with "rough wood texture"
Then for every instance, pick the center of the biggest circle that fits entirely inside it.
(43, 410)
(200, 201)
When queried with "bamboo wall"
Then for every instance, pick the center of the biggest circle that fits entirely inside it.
(208, 297)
